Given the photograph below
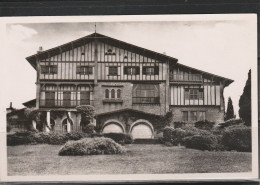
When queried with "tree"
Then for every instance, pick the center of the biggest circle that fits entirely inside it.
(245, 102)
(87, 116)
(230, 110)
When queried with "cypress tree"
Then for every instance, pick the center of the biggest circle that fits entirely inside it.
(245, 102)
(230, 110)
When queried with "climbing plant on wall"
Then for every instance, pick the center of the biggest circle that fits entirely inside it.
(87, 115)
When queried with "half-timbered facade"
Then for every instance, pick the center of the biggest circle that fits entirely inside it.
(128, 85)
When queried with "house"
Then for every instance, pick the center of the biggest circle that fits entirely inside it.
(129, 86)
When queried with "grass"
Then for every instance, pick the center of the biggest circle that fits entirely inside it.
(140, 159)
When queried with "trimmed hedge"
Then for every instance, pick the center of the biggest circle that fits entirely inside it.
(230, 122)
(237, 138)
(120, 138)
(91, 146)
(204, 125)
(176, 136)
(24, 138)
(201, 142)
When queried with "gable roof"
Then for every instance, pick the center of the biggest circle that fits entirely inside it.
(30, 103)
(102, 38)
(227, 80)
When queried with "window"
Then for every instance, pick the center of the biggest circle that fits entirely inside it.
(112, 71)
(106, 93)
(194, 94)
(184, 115)
(131, 70)
(50, 98)
(118, 93)
(201, 116)
(193, 116)
(84, 98)
(146, 93)
(151, 70)
(49, 69)
(84, 70)
(113, 93)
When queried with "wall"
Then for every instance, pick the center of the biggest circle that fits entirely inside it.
(126, 94)
(213, 113)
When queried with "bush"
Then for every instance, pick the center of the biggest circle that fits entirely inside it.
(201, 142)
(176, 136)
(91, 146)
(179, 124)
(90, 129)
(229, 123)
(22, 138)
(120, 138)
(237, 138)
(204, 125)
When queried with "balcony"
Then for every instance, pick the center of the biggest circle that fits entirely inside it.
(64, 103)
(186, 78)
(146, 100)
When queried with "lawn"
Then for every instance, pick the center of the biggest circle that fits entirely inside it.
(139, 159)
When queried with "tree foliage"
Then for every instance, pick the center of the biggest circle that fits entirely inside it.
(230, 110)
(87, 115)
(245, 102)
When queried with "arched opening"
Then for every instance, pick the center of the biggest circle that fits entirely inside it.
(113, 93)
(142, 129)
(113, 126)
(106, 93)
(118, 93)
(65, 126)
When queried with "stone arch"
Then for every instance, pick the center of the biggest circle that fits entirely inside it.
(142, 122)
(113, 121)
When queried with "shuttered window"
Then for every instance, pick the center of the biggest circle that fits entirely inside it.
(113, 71)
(84, 70)
(151, 70)
(193, 94)
(131, 70)
(49, 69)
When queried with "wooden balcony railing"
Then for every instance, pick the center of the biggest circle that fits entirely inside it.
(64, 103)
(146, 100)
(187, 78)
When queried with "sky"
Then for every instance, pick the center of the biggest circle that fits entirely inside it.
(222, 47)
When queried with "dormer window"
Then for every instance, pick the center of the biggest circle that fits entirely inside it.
(85, 70)
(49, 69)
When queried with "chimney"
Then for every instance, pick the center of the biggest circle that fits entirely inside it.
(40, 49)
(11, 106)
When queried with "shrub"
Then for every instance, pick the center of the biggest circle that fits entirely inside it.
(176, 136)
(204, 125)
(120, 138)
(91, 146)
(179, 124)
(229, 123)
(237, 138)
(22, 138)
(90, 129)
(201, 142)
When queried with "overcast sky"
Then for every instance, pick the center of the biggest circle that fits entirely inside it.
(220, 47)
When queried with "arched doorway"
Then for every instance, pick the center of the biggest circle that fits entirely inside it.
(142, 129)
(113, 126)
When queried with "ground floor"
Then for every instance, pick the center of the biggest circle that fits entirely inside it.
(139, 159)
(130, 121)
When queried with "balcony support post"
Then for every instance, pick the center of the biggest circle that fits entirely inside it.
(48, 122)
(68, 123)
